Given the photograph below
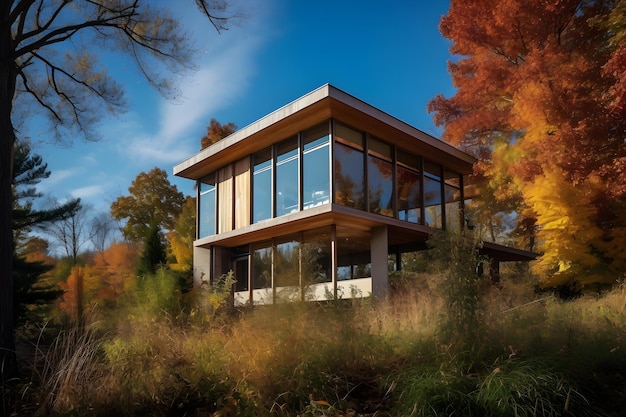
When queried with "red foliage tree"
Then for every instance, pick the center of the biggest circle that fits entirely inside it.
(540, 99)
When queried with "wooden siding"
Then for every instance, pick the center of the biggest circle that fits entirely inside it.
(242, 193)
(225, 199)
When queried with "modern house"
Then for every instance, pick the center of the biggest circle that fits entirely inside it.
(320, 198)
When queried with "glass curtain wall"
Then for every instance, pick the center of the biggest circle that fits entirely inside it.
(380, 177)
(453, 201)
(408, 179)
(287, 267)
(349, 167)
(287, 176)
(353, 254)
(432, 195)
(316, 256)
(316, 166)
(262, 266)
(207, 212)
(262, 185)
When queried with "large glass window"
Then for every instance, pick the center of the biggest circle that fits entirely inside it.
(287, 263)
(432, 195)
(287, 178)
(262, 267)
(349, 169)
(380, 177)
(315, 166)
(207, 208)
(316, 256)
(262, 185)
(353, 254)
(409, 187)
(453, 200)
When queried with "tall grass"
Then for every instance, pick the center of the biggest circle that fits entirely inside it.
(533, 356)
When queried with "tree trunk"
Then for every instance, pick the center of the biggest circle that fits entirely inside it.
(8, 74)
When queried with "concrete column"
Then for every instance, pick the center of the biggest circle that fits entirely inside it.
(201, 265)
(380, 272)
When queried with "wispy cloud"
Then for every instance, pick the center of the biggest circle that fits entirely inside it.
(59, 176)
(88, 191)
(223, 76)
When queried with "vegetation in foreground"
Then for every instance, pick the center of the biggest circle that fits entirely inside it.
(445, 343)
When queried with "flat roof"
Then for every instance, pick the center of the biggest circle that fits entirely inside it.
(315, 107)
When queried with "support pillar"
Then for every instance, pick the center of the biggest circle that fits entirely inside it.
(380, 271)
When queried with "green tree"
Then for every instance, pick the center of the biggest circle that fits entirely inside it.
(153, 255)
(30, 287)
(49, 61)
(182, 237)
(152, 200)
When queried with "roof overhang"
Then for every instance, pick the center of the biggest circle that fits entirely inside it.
(506, 253)
(315, 107)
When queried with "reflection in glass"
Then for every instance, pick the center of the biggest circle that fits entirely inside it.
(207, 210)
(287, 178)
(453, 201)
(432, 201)
(316, 170)
(349, 176)
(380, 183)
(262, 268)
(286, 264)
(353, 255)
(432, 195)
(262, 186)
(409, 195)
(316, 255)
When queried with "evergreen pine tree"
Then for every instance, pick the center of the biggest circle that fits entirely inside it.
(153, 254)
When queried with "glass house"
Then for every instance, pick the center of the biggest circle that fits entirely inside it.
(313, 200)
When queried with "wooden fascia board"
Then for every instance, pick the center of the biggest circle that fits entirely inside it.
(315, 107)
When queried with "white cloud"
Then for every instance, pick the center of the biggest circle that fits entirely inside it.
(222, 77)
(87, 191)
(61, 175)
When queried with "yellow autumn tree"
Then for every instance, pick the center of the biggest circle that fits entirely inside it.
(182, 237)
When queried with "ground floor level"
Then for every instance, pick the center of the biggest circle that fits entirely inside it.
(327, 262)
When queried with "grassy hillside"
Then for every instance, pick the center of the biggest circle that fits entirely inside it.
(525, 354)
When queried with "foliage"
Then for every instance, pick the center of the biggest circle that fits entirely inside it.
(29, 170)
(182, 237)
(544, 357)
(216, 132)
(35, 288)
(152, 200)
(153, 254)
(51, 67)
(32, 284)
(73, 301)
(456, 254)
(539, 100)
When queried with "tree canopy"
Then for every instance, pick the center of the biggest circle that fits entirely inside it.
(52, 63)
(152, 200)
(216, 132)
(540, 99)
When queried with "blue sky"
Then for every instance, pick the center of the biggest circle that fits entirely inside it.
(389, 54)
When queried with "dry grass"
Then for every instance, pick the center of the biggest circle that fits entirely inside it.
(369, 356)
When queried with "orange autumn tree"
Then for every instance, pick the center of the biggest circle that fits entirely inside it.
(540, 99)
